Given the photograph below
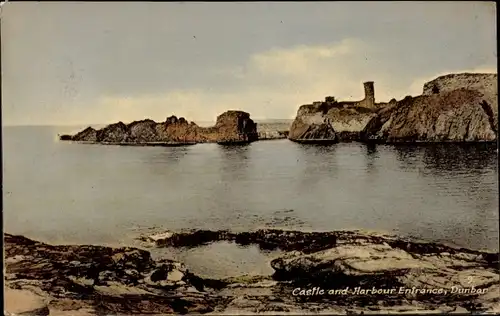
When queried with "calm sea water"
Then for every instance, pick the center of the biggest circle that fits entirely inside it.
(63, 192)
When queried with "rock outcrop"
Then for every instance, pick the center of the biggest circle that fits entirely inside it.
(458, 116)
(311, 124)
(230, 127)
(319, 272)
(101, 280)
(452, 108)
(329, 122)
(355, 272)
(485, 84)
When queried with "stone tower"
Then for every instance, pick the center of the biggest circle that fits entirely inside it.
(369, 94)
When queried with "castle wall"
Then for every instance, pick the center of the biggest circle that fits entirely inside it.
(367, 102)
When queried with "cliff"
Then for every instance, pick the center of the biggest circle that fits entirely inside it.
(329, 122)
(455, 107)
(486, 84)
(230, 127)
(458, 116)
(43, 279)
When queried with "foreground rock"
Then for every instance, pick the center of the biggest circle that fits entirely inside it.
(452, 108)
(103, 280)
(230, 127)
(22, 302)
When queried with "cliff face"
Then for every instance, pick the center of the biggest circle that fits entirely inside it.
(312, 124)
(330, 121)
(457, 115)
(231, 126)
(456, 107)
(486, 84)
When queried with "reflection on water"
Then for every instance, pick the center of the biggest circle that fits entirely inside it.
(449, 157)
(455, 174)
(63, 192)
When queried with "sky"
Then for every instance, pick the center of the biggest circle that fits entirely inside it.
(71, 63)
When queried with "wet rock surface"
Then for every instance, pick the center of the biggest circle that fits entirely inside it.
(230, 127)
(267, 239)
(452, 108)
(95, 280)
(103, 279)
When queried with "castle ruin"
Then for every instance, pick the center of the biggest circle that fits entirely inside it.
(369, 100)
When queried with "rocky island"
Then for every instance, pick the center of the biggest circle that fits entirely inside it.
(341, 272)
(452, 108)
(230, 127)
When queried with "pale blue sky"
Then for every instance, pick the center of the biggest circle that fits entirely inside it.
(69, 63)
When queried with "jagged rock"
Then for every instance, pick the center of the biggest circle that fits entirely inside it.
(66, 137)
(264, 238)
(231, 127)
(88, 134)
(349, 260)
(102, 280)
(329, 122)
(143, 131)
(113, 133)
(348, 123)
(311, 124)
(115, 279)
(462, 273)
(457, 115)
(333, 120)
(171, 120)
(485, 84)
(235, 126)
(455, 107)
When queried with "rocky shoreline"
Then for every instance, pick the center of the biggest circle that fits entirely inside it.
(455, 108)
(339, 272)
(230, 127)
(452, 108)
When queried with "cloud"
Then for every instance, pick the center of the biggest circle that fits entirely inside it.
(270, 84)
(301, 60)
(112, 69)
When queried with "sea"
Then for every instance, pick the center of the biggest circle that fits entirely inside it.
(68, 193)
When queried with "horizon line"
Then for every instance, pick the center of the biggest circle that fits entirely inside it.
(94, 124)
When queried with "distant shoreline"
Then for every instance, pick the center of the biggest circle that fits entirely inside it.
(200, 123)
